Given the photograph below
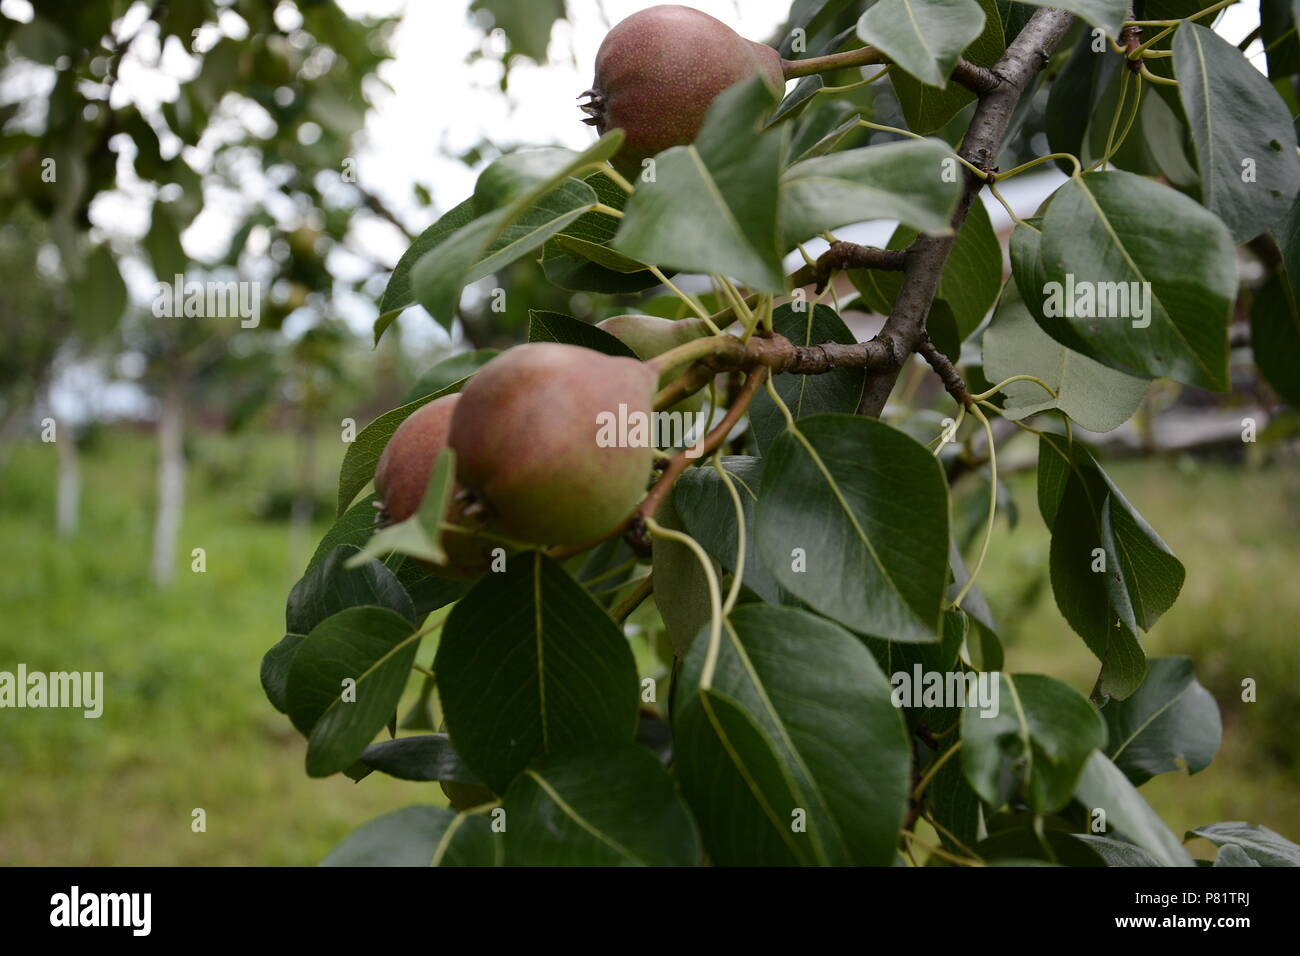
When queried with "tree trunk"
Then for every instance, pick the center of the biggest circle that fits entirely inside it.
(171, 480)
(69, 493)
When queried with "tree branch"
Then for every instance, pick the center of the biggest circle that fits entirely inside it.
(1027, 55)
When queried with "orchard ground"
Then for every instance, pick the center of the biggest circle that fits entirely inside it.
(186, 724)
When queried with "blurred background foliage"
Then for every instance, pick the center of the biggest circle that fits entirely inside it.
(258, 122)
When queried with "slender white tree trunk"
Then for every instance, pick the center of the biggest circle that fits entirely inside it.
(68, 508)
(171, 482)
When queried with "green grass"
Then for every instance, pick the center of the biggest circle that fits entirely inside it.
(186, 725)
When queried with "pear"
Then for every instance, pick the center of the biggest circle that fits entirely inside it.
(402, 478)
(649, 336)
(539, 445)
(658, 71)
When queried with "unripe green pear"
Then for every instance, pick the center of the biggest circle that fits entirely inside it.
(531, 434)
(402, 478)
(650, 336)
(658, 71)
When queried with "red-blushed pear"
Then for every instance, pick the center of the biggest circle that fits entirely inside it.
(533, 444)
(402, 478)
(658, 71)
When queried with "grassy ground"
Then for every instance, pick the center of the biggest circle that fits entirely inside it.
(186, 725)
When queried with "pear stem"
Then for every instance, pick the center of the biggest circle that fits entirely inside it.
(863, 56)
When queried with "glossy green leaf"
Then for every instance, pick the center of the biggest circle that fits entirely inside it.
(447, 372)
(1109, 15)
(558, 327)
(1147, 294)
(708, 514)
(923, 37)
(423, 757)
(683, 589)
(916, 182)
(398, 294)
(836, 391)
(1104, 787)
(1031, 744)
(326, 588)
(1117, 852)
(1275, 314)
(1245, 140)
(830, 525)
(712, 206)
(1098, 398)
(1170, 723)
(529, 663)
(345, 681)
(1259, 843)
(421, 836)
(603, 806)
(1112, 575)
(493, 241)
(928, 108)
(786, 744)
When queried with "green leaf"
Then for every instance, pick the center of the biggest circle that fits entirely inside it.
(712, 206)
(836, 391)
(163, 244)
(492, 242)
(99, 294)
(421, 836)
(526, 25)
(1097, 397)
(1117, 852)
(605, 806)
(579, 258)
(1244, 137)
(423, 758)
(326, 588)
(1275, 315)
(528, 664)
(928, 108)
(1232, 855)
(923, 37)
(795, 717)
(830, 525)
(450, 370)
(1259, 843)
(398, 294)
(362, 456)
(1170, 723)
(558, 327)
(1103, 786)
(1034, 743)
(353, 528)
(682, 588)
(709, 516)
(369, 648)
(906, 181)
(1109, 15)
(1107, 252)
(1137, 578)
